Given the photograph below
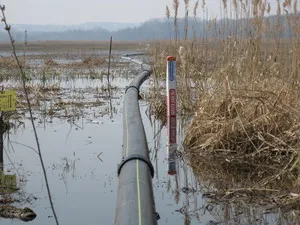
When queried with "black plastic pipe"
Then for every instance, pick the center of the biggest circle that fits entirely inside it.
(135, 199)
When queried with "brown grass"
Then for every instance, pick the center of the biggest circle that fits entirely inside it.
(253, 135)
(8, 62)
(93, 61)
(50, 62)
(157, 105)
(240, 95)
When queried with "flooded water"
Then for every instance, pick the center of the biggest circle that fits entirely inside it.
(81, 155)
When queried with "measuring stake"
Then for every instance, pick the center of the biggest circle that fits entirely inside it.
(171, 114)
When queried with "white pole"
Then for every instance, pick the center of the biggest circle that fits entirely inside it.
(171, 114)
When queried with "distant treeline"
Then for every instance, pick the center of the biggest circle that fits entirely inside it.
(156, 29)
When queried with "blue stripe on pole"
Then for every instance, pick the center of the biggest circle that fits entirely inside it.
(171, 70)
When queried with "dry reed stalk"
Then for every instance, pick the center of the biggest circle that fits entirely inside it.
(195, 19)
(157, 107)
(186, 18)
(108, 79)
(167, 12)
(169, 26)
(175, 7)
(287, 3)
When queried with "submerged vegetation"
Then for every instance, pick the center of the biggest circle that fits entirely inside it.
(238, 93)
(55, 81)
(59, 88)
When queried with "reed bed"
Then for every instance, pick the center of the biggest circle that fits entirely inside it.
(238, 90)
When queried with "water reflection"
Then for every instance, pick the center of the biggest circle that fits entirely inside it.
(82, 153)
(188, 193)
(74, 169)
(240, 213)
(233, 200)
(177, 197)
(66, 169)
(9, 189)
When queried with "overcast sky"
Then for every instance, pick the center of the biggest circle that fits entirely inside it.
(81, 11)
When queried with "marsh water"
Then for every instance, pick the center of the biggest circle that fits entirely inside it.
(81, 154)
(81, 161)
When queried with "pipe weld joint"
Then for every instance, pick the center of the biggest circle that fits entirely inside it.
(138, 157)
(131, 86)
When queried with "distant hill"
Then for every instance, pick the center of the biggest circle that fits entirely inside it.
(150, 30)
(110, 26)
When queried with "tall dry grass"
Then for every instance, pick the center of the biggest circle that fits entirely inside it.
(195, 18)
(175, 7)
(186, 18)
(239, 88)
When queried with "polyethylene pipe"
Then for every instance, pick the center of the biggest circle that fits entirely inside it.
(135, 199)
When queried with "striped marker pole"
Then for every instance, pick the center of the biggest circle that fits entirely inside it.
(171, 114)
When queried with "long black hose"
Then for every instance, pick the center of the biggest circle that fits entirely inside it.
(135, 199)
